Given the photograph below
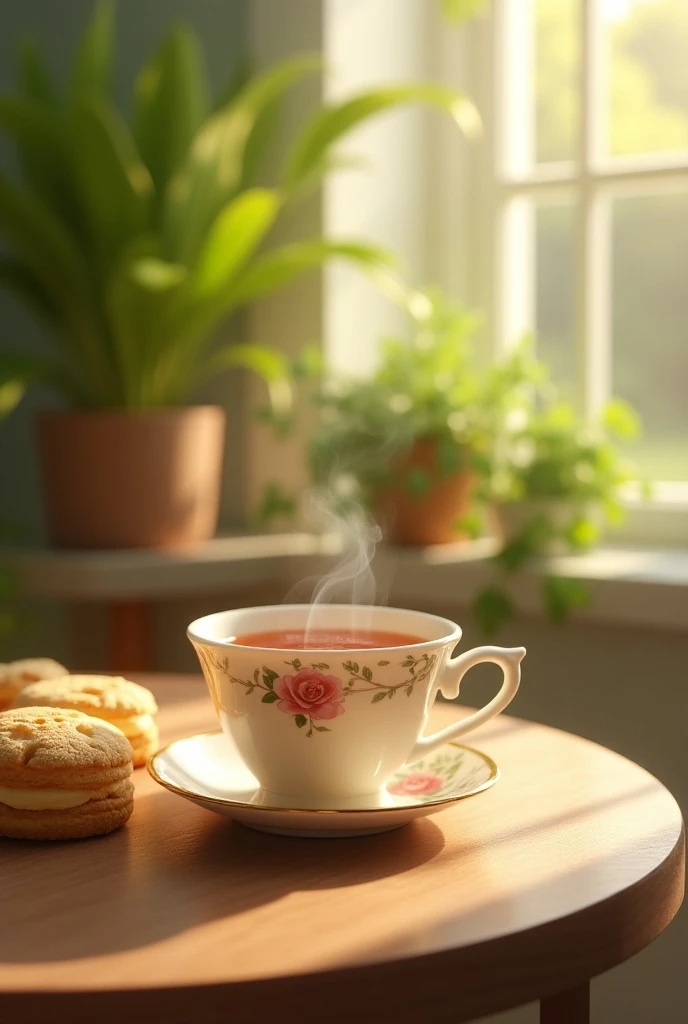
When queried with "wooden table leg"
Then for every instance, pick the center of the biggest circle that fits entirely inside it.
(130, 636)
(570, 1007)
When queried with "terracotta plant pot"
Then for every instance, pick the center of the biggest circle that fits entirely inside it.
(132, 479)
(431, 517)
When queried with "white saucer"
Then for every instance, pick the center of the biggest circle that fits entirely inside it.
(207, 770)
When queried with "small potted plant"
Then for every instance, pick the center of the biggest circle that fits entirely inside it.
(132, 244)
(415, 439)
(557, 480)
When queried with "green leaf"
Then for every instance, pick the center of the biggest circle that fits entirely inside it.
(319, 664)
(296, 664)
(237, 80)
(309, 363)
(331, 123)
(34, 79)
(300, 720)
(461, 10)
(390, 693)
(321, 728)
(205, 181)
(480, 463)
(274, 504)
(528, 544)
(91, 71)
(366, 673)
(11, 394)
(37, 236)
(213, 169)
(266, 362)
(170, 102)
(18, 370)
(621, 419)
(140, 300)
(515, 554)
(381, 663)
(18, 278)
(492, 608)
(562, 596)
(270, 698)
(448, 457)
(378, 697)
(156, 275)
(278, 267)
(262, 95)
(39, 141)
(583, 533)
(417, 482)
(614, 512)
(234, 236)
(115, 185)
(269, 677)
(470, 525)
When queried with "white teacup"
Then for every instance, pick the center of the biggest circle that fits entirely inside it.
(328, 725)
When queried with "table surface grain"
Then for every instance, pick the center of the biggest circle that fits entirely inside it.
(573, 862)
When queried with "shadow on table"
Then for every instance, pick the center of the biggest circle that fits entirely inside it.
(166, 873)
(572, 889)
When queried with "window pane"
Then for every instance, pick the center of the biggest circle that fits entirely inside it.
(647, 46)
(650, 325)
(556, 79)
(555, 290)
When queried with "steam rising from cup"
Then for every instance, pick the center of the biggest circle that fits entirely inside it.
(351, 581)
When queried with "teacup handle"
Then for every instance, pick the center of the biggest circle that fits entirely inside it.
(509, 660)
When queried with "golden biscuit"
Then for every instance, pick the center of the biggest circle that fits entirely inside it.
(116, 700)
(18, 674)
(63, 775)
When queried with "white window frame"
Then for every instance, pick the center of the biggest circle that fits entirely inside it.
(448, 217)
(485, 188)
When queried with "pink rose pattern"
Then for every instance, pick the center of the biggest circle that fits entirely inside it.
(310, 692)
(417, 784)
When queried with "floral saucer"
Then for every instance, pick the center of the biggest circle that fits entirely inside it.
(207, 770)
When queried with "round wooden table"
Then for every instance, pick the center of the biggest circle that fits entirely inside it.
(572, 863)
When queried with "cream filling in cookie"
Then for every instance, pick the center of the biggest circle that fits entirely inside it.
(133, 725)
(46, 799)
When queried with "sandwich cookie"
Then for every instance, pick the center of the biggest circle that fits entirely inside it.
(63, 775)
(18, 674)
(116, 700)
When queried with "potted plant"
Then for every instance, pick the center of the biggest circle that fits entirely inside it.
(133, 243)
(557, 480)
(415, 438)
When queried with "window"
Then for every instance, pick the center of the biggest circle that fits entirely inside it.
(584, 174)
